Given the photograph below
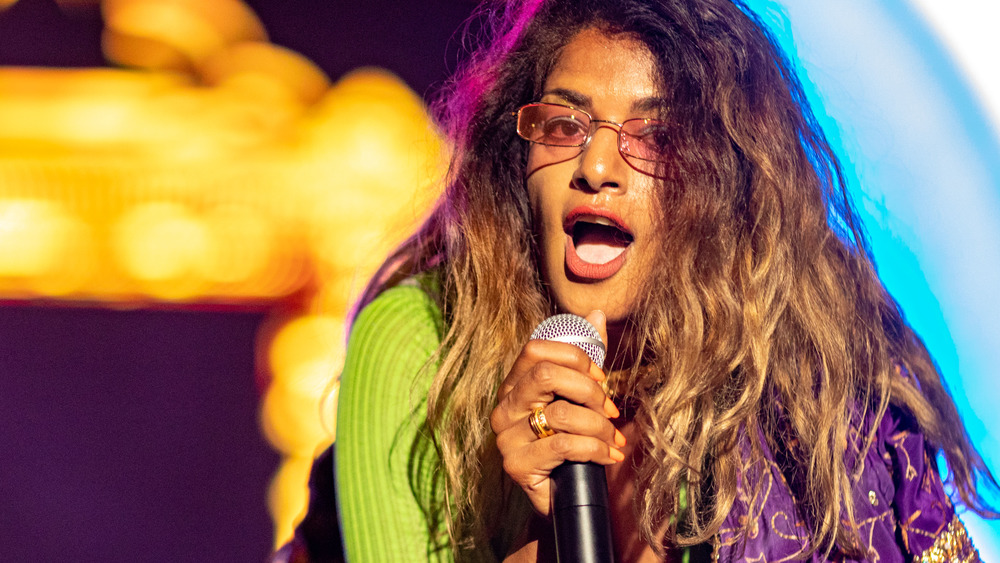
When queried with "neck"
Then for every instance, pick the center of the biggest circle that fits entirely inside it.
(623, 349)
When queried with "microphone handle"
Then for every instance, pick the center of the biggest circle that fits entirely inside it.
(581, 513)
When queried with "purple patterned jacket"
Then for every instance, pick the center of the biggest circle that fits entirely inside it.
(902, 509)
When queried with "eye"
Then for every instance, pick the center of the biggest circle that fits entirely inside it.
(649, 138)
(655, 135)
(562, 129)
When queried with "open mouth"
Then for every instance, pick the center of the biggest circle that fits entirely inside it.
(596, 245)
(598, 240)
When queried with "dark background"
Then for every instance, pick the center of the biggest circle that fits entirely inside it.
(132, 435)
(418, 40)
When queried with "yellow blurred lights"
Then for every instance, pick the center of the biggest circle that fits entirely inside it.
(44, 250)
(243, 247)
(161, 241)
(226, 170)
(166, 23)
(193, 28)
(33, 237)
(250, 64)
(304, 356)
(292, 421)
(379, 130)
(309, 339)
(286, 495)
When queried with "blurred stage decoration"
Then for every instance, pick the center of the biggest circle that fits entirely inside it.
(212, 169)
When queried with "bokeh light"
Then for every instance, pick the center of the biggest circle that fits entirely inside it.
(243, 238)
(287, 492)
(33, 237)
(149, 33)
(161, 241)
(303, 357)
(220, 169)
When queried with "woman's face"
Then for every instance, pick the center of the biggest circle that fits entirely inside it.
(593, 211)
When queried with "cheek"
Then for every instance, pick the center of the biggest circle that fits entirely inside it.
(544, 207)
(546, 219)
(546, 181)
(536, 158)
(534, 195)
(538, 183)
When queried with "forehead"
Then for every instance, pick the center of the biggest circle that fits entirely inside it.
(616, 67)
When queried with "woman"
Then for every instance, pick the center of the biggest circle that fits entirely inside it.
(652, 165)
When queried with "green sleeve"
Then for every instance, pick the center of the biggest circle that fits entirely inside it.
(381, 407)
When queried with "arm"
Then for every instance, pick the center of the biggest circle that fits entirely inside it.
(380, 409)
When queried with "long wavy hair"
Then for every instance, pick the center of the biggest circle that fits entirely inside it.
(766, 316)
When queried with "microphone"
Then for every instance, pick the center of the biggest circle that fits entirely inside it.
(579, 491)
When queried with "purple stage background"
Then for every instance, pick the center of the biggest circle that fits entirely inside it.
(131, 436)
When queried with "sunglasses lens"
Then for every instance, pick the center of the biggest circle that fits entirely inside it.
(646, 139)
(554, 125)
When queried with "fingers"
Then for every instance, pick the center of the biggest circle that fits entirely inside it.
(546, 381)
(540, 457)
(562, 418)
(558, 353)
(530, 465)
(544, 371)
(580, 434)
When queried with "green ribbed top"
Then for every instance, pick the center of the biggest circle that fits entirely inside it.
(381, 406)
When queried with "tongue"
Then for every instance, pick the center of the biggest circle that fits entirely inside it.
(598, 246)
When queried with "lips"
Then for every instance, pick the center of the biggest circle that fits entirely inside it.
(597, 243)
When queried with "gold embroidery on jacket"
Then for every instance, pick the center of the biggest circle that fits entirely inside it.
(953, 544)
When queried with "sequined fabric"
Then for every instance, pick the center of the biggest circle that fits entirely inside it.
(952, 545)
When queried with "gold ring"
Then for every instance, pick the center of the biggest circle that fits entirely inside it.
(538, 423)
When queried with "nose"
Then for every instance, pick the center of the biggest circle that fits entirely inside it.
(600, 164)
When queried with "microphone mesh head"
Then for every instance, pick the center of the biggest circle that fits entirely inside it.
(575, 330)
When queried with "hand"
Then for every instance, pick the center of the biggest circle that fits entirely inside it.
(561, 378)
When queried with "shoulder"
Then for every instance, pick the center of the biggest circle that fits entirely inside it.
(389, 356)
(404, 317)
(412, 303)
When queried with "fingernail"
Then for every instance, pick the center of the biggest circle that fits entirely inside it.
(597, 373)
(617, 454)
(619, 439)
(611, 409)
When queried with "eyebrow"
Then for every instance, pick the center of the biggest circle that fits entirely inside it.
(576, 99)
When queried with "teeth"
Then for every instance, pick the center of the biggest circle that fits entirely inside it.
(594, 220)
(597, 221)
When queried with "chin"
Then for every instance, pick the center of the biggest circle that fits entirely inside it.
(581, 299)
